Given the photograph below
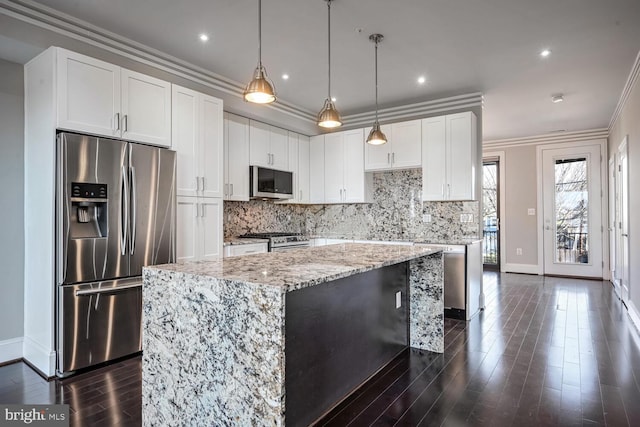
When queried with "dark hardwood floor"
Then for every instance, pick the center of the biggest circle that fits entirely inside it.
(546, 351)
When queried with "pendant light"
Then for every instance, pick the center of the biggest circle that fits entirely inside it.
(329, 116)
(376, 136)
(260, 90)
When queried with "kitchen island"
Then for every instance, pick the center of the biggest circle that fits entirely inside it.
(219, 336)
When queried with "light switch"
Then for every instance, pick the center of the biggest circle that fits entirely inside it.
(531, 211)
(398, 299)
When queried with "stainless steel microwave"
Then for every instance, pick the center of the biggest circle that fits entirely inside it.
(270, 183)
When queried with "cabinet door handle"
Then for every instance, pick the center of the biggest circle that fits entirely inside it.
(197, 183)
(345, 195)
(197, 207)
(232, 189)
(449, 190)
(117, 121)
(202, 178)
(341, 194)
(300, 194)
(126, 122)
(393, 158)
(388, 158)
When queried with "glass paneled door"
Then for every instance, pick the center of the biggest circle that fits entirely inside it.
(572, 200)
(490, 214)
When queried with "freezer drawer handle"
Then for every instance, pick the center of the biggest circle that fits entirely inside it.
(108, 290)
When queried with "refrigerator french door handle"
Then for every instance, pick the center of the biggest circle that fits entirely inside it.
(124, 211)
(62, 241)
(134, 206)
(107, 290)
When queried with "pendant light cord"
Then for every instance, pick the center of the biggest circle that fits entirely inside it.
(376, 73)
(260, 34)
(329, 44)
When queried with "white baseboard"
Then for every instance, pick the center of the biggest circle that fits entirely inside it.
(521, 268)
(10, 349)
(42, 358)
(634, 314)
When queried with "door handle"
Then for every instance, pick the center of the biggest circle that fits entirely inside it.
(197, 183)
(202, 178)
(345, 195)
(124, 211)
(108, 290)
(341, 194)
(232, 189)
(126, 122)
(388, 158)
(117, 121)
(300, 194)
(197, 210)
(625, 235)
(393, 158)
(134, 209)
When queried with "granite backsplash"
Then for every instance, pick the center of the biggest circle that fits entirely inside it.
(396, 213)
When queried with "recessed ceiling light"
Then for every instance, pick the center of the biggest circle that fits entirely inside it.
(204, 37)
(285, 76)
(421, 80)
(557, 98)
(545, 53)
(333, 98)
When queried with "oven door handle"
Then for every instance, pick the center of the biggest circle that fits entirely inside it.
(108, 290)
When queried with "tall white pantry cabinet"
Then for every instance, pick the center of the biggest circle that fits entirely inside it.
(197, 137)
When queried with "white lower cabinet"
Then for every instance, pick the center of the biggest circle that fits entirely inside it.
(199, 228)
(247, 249)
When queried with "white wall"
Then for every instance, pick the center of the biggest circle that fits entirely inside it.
(12, 209)
(628, 123)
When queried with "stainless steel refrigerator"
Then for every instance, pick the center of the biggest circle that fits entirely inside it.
(115, 213)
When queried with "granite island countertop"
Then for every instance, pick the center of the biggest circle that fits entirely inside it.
(300, 268)
(213, 333)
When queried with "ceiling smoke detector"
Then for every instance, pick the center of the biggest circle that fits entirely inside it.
(557, 98)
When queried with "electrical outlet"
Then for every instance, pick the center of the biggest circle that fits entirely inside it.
(531, 211)
(398, 299)
(466, 217)
(426, 217)
(518, 251)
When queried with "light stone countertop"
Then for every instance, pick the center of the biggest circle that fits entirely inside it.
(421, 241)
(300, 268)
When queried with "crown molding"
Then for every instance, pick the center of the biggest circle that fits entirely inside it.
(626, 91)
(60, 23)
(419, 109)
(554, 138)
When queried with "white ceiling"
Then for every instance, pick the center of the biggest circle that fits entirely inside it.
(460, 46)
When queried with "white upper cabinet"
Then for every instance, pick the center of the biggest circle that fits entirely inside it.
(236, 153)
(198, 141)
(146, 108)
(103, 99)
(303, 169)
(268, 146)
(449, 157)
(88, 94)
(316, 169)
(344, 176)
(402, 151)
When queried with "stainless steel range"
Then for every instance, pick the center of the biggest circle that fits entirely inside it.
(281, 241)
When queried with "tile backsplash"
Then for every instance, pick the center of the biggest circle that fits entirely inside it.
(397, 212)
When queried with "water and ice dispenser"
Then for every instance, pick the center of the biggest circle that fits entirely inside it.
(89, 207)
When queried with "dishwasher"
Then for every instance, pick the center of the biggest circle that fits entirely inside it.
(462, 280)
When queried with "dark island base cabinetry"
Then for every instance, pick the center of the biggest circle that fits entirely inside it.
(338, 334)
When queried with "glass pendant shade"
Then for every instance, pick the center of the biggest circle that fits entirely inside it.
(329, 116)
(376, 136)
(260, 90)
